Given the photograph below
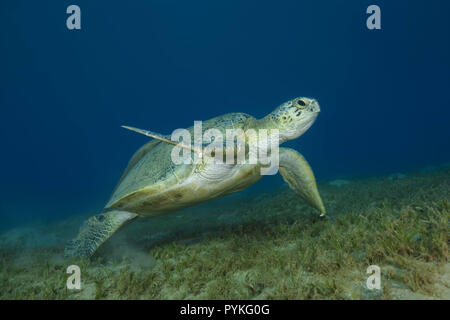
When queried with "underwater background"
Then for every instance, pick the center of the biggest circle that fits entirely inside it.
(382, 134)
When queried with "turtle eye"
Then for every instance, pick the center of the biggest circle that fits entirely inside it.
(300, 102)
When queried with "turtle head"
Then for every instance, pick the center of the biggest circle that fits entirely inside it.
(294, 117)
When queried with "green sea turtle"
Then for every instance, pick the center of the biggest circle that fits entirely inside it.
(154, 184)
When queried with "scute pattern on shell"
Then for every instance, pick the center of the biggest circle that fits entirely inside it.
(152, 164)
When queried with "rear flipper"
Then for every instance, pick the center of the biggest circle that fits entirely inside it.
(96, 230)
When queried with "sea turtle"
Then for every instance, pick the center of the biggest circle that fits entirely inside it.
(154, 184)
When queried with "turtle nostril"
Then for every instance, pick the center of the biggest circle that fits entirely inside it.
(314, 107)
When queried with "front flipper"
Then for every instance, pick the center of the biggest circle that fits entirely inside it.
(162, 138)
(96, 230)
(298, 174)
(227, 147)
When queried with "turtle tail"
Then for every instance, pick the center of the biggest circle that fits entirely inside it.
(96, 230)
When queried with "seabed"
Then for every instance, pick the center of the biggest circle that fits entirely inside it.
(267, 246)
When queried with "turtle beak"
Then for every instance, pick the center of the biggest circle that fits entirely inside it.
(314, 106)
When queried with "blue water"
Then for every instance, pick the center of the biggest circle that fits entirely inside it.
(160, 65)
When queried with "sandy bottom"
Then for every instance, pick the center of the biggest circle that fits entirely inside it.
(266, 246)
